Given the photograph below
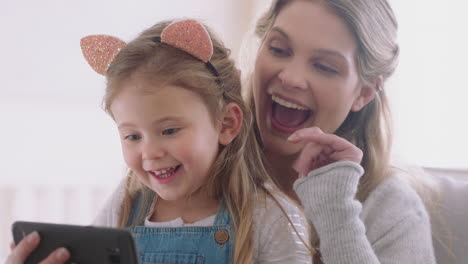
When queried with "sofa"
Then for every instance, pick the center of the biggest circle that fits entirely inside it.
(449, 219)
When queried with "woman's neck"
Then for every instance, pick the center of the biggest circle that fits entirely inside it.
(281, 170)
(190, 210)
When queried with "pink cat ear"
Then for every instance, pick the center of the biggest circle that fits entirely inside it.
(100, 50)
(191, 37)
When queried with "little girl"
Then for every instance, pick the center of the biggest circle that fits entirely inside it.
(197, 190)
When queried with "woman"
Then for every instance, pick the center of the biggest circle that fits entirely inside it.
(318, 93)
(320, 106)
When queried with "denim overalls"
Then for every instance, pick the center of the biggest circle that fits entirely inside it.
(184, 245)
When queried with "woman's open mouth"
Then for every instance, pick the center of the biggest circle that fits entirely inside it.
(287, 116)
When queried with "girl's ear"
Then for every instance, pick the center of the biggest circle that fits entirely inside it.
(231, 123)
(366, 95)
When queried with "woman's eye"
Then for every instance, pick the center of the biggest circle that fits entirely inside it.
(170, 131)
(326, 69)
(279, 52)
(132, 137)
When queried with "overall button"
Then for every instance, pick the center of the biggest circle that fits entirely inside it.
(221, 236)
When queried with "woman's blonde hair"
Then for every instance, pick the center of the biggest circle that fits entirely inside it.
(374, 26)
(237, 176)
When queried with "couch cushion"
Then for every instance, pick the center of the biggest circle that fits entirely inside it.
(450, 219)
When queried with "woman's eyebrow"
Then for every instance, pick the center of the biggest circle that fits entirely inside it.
(280, 31)
(332, 53)
(327, 52)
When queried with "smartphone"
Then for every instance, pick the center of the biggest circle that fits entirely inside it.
(87, 244)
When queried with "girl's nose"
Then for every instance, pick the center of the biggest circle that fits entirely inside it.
(293, 75)
(152, 149)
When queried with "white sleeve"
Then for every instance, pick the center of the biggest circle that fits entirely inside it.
(108, 216)
(275, 240)
(395, 228)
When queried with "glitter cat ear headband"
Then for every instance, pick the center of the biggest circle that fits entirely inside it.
(187, 35)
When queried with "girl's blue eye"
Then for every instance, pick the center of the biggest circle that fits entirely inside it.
(170, 131)
(132, 137)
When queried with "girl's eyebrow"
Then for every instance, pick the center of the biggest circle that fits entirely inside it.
(125, 125)
(167, 118)
(157, 121)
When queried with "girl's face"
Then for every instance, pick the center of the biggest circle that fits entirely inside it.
(305, 75)
(168, 137)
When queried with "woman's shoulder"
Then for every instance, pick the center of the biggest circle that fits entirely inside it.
(395, 191)
(393, 202)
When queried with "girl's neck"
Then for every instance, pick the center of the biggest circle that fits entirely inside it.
(281, 170)
(190, 210)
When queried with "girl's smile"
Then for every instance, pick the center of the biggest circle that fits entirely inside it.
(165, 175)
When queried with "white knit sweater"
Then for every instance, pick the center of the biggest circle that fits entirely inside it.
(391, 226)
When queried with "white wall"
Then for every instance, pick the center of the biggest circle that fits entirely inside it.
(430, 90)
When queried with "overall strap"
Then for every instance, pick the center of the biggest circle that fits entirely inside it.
(222, 216)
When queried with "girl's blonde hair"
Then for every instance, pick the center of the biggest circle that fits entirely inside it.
(374, 26)
(237, 175)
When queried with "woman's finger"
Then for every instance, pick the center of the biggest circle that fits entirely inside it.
(307, 158)
(336, 147)
(299, 134)
(21, 251)
(316, 135)
(351, 154)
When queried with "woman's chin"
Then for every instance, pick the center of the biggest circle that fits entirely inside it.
(281, 146)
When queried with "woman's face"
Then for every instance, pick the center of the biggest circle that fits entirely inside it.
(305, 75)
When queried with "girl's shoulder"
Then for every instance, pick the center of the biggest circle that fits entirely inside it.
(280, 230)
(275, 204)
(108, 216)
(276, 211)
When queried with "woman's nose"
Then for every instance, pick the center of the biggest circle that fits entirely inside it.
(293, 75)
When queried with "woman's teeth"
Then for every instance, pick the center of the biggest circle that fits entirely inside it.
(287, 104)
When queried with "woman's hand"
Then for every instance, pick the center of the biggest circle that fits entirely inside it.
(321, 149)
(24, 248)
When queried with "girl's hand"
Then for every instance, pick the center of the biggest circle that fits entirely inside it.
(321, 149)
(24, 248)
